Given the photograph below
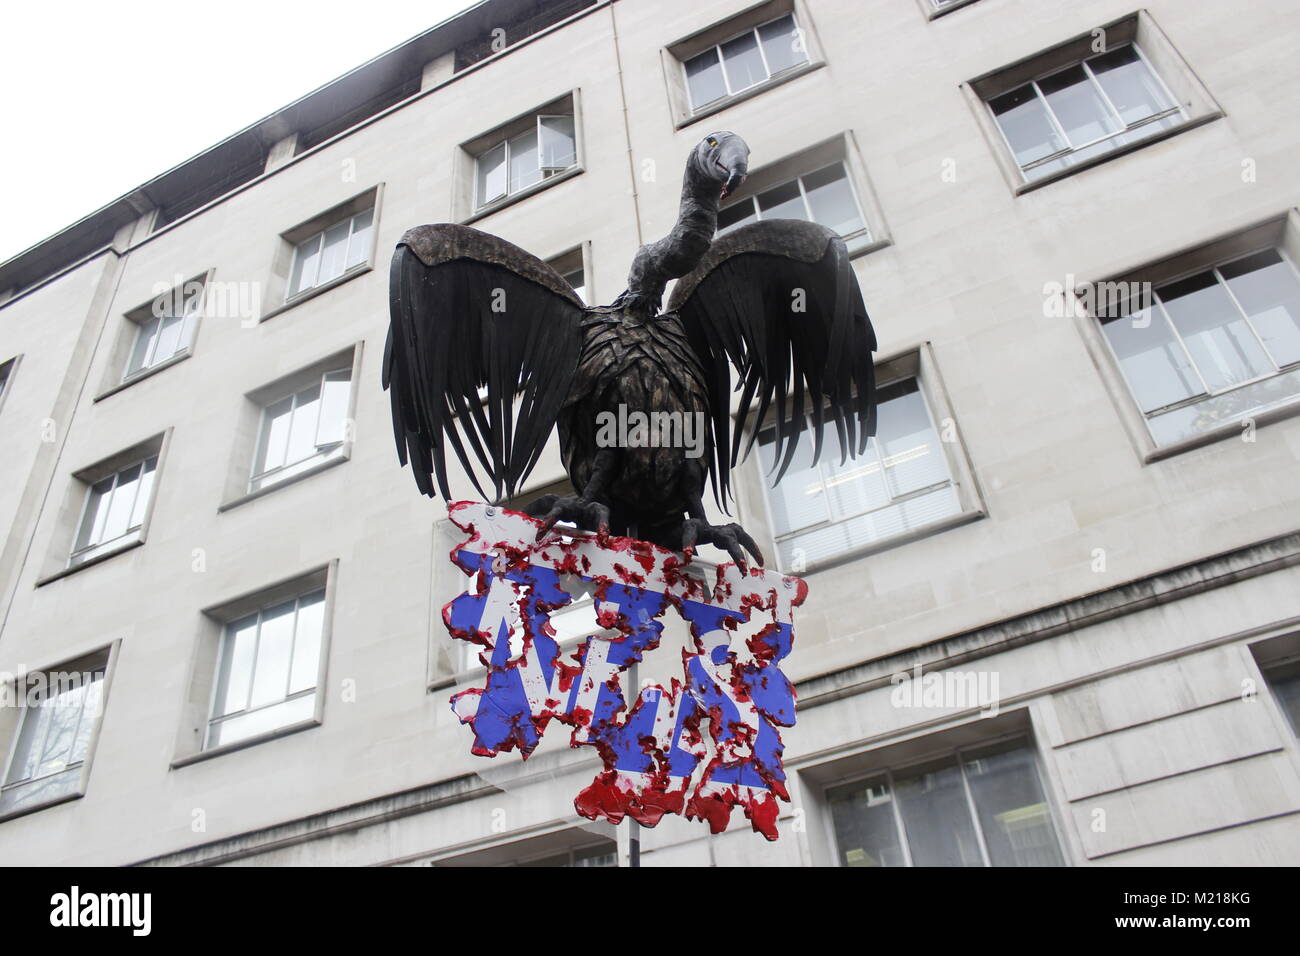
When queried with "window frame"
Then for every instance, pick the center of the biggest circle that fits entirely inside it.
(916, 361)
(132, 533)
(9, 368)
(956, 752)
(1041, 98)
(103, 658)
(319, 236)
(335, 447)
(1278, 232)
(716, 49)
(857, 237)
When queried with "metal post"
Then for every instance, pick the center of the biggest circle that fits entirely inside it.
(634, 689)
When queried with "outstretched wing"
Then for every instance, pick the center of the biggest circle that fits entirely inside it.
(779, 300)
(468, 310)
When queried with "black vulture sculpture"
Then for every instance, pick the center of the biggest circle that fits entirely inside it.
(776, 299)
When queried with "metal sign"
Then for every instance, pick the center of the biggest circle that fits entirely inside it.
(699, 747)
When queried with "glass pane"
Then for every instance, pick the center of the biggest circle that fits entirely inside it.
(262, 721)
(1013, 813)
(1220, 342)
(1266, 287)
(743, 62)
(36, 720)
(64, 711)
(306, 642)
(169, 338)
(92, 525)
(146, 490)
(577, 281)
(908, 444)
(91, 708)
(1132, 88)
(1078, 106)
(39, 791)
(1154, 363)
(704, 78)
(831, 199)
(306, 262)
(781, 44)
(359, 244)
(275, 436)
(782, 202)
(524, 170)
(236, 673)
(865, 831)
(1026, 125)
(334, 408)
(302, 431)
(736, 215)
(559, 145)
(936, 818)
(1231, 406)
(143, 340)
(121, 503)
(274, 647)
(491, 174)
(335, 253)
(800, 499)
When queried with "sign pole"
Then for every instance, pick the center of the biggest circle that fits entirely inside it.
(634, 687)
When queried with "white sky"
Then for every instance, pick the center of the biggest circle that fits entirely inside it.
(100, 97)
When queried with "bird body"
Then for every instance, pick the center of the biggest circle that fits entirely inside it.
(776, 301)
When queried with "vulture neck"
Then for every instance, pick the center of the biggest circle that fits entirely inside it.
(680, 251)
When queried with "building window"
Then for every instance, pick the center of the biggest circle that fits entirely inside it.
(1217, 346)
(302, 429)
(268, 670)
(6, 373)
(601, 854)
(1284, 679)
(547, 147)
(59, 716)
(1083, 111)
(902, 482)
(825, 196)
(114, 511)
(331, 252)
(165, 331)
(744, 61)
(975, 808)
(570, 268)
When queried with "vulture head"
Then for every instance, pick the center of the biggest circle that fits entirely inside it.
(721, 158)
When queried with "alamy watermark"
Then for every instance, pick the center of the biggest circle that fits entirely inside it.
(234, 299)
(1105, 300)
(947, 689)
(636, 429)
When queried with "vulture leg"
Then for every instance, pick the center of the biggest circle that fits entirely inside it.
(731, 538)
(584, 510)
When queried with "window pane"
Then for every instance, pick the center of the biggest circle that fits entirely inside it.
(559, 145)
(936, 818)
(334, 408)
(92, 525)
(38, 791)
(1285, 681)
(64, 711)
(359, 244)
(144, 338)
(1026, 125)
(908, 444)
(1220, 342)
(275, 436)
(782, 202)
(800, 500)
(236, 674)
(1232, 406)
(1013, 813)
(91, 707)
(1078, 106)
(704, 78)
(274, 647)
(736, 215)
(121, 503)
(1132, 87)
(302, 430)
(306, 643)
(491, 174)
(262, 721)
(146, 490)
(1266, 287)
(577, 281)
(169, 338)
(831, 199)
(865, 831)
(306, 262)
(524, 170)
(743, 62)
(781, 44)
(1154, 363)
(36, 720)
(335, 252)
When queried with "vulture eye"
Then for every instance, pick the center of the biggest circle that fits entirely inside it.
(713, 142)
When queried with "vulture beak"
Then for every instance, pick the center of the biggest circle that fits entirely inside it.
(733, 163)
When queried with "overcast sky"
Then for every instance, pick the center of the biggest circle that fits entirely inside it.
(101, 96)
